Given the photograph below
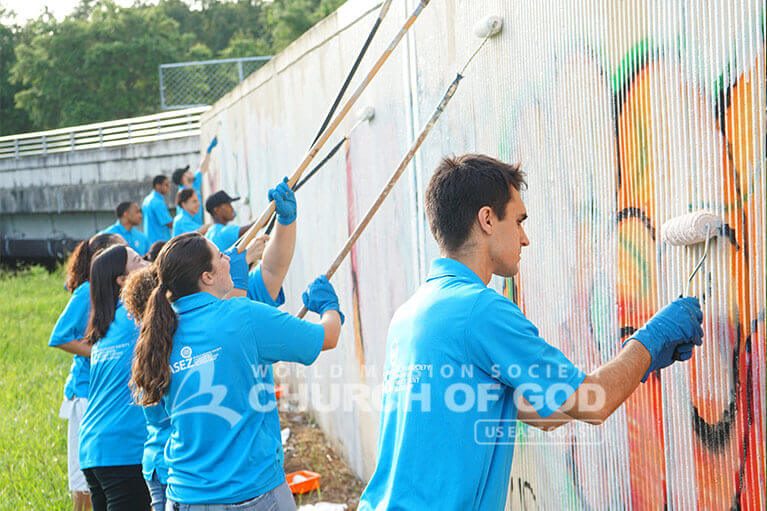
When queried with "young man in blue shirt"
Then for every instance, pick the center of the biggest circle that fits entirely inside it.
(464, 363)
(184, 178)
(129, 216)
(157, 219)
(222, 233)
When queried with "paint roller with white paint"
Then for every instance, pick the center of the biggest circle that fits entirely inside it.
(691, 229)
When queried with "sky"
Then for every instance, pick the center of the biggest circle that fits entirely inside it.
(29, 9)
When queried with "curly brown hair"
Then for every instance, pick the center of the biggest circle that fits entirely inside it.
(137, 290)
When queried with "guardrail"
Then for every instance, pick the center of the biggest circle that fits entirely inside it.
(135, 130)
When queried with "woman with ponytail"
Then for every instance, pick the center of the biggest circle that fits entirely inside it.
(113, 429)
(67, 335)
(203, 359)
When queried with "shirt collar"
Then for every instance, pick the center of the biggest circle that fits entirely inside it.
(158, 195)
(121, 228)
(193, 301)
(446, 267)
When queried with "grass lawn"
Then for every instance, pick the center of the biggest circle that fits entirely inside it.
(33, 450)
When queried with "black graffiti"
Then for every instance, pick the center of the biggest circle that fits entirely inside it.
(524, 494)
(637, 213)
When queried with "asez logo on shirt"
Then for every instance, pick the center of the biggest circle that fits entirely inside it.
(186, 352)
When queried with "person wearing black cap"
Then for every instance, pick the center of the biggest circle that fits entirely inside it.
(222, 233)
(184, 178)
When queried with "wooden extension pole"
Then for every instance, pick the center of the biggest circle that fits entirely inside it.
(392, 181)
(261, 222)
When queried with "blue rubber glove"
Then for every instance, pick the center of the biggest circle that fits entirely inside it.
(213, 143)
(671, 333)
(284, 202)
(238, 268)
(320, 297)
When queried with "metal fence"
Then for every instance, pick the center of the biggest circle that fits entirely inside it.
(135, 130)
(188, 84)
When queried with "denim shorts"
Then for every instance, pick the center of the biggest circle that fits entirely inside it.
(278, 499)
(157, 491)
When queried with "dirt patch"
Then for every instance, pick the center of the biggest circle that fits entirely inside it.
(308, 449)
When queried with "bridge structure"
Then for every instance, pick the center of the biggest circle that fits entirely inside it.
(61, 186)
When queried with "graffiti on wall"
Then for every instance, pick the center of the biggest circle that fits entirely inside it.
(695, 436)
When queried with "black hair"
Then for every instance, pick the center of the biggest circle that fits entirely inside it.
(184, 195)
(122, 208)
(106, 267)
(460, 187)
(154, 251)
(158, 180)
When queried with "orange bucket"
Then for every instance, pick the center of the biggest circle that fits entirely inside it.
(278, 391)
(303, 481)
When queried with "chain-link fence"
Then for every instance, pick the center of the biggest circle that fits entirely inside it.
(188, 84)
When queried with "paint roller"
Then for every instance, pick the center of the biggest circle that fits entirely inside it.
(691, 229)
(485, 29)
(263, 220)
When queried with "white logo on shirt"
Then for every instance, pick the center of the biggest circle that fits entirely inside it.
(186, 352)
(217, 394)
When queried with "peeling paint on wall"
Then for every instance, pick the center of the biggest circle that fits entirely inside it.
(623, 115)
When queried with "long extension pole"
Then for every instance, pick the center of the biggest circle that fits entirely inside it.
(492, 30)
(261, 222)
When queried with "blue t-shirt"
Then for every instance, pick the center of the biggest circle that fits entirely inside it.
(457, 353)
(158, 422)
(156, 217)
(135, 238)
(197, 185)
(158, 431)
(184, 222)
(221, 450)
(223, 236)
(71, 326)
(113, 429)
(257, 291)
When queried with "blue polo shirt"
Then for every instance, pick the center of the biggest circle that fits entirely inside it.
(135, 238)
(71, 326)
(156, 217)
(113, 429)
(221, 448)
(158, 422)
(197, 186)
(158, 431)
(223, 236)
(457, 354)
(184, 222)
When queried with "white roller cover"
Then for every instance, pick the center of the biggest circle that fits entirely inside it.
(690, 228)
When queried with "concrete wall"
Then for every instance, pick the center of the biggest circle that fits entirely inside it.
(623, 114)
(73, 194)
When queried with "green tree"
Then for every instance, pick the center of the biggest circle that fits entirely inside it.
(12, 119)
(288, 19)
(96, 68)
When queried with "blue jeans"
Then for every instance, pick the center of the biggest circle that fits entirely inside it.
(278, 499)
(157, 491)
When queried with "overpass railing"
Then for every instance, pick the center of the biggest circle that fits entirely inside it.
(135, 130)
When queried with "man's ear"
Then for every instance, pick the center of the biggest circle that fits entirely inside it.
(206, 278)
(486, 219)
(120, 279)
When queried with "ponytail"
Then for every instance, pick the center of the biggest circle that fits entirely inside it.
(79, 263)
(105, 292)
(151, 370)
(174, 274)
